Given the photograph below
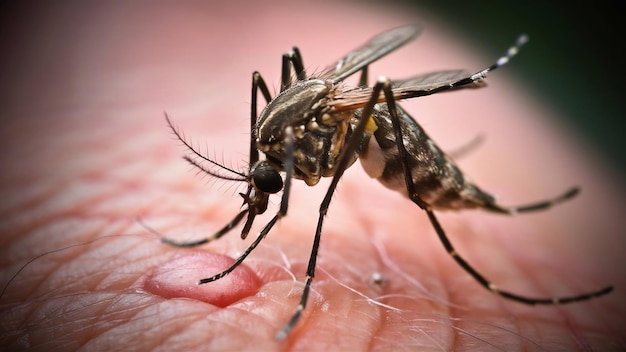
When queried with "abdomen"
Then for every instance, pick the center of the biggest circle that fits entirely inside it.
(436, 179)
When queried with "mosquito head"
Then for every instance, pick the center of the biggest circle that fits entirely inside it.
(265, 178)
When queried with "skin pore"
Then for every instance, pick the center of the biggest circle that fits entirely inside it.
(86, 151)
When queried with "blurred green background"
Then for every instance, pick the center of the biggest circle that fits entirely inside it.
(574, 60)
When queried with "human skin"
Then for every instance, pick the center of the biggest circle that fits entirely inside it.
(86, 152)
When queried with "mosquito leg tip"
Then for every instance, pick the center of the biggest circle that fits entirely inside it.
(572, 192)
(605, 290)
(281, 335)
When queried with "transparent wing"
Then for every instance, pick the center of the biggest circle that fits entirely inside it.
(369, 52)
(416, 86)
(435, 80)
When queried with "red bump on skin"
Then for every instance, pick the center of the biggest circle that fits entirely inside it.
(179, 279)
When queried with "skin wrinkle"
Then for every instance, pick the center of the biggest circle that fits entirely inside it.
(86, 325)
(169, 326)
(242, 311)
(162, 330)
(45, 222)
(379, 326)
(230, 324)
(141, 315)
(10, 227)
(516, 328)
(43, 270)
(18, 229)
(383, 258)
(92, 278)
(135, 319)
(495, 330)
(359, 321)
(56, 326)
(440, 303)
(120, 323)
(496, 339)
(508, 331)
(107, 281)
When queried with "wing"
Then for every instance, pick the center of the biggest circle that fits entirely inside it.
(435, 80)
(417, 86)
(369, 52)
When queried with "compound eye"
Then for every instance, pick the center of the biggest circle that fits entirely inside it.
(266, 178)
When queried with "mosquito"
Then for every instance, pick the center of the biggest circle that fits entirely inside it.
(317, 126)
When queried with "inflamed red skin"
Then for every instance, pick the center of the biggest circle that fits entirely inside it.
(179, 279)
(86, 151)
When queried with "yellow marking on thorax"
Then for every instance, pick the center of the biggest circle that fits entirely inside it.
(370, 126)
